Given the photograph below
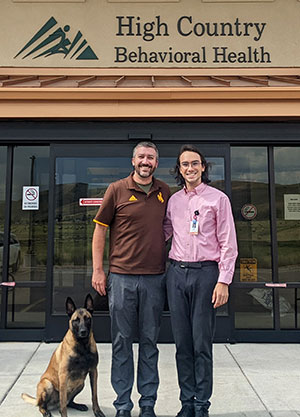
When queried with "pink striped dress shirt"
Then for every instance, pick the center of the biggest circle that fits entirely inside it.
(216, 238)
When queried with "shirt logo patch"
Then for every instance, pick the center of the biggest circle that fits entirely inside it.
(132, 198)
(160, 197)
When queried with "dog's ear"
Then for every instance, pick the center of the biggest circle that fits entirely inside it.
(70, 306)
(89, 304)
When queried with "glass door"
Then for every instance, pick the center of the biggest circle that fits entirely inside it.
(24, 238)
(287, 200)
(3, 276)
(266, 206)
(81, 175)
(253, 304)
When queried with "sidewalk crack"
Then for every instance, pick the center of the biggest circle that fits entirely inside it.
(19, 374)
(249, 382)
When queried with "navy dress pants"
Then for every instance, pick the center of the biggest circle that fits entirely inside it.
(190, 292)
(136, 304)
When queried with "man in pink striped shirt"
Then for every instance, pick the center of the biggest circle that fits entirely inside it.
(202, 261)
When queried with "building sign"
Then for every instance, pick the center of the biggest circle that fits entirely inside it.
(50, 40)
(292, 207)
(188, 33)
(248, 270)
(191, 29)
(30, 200)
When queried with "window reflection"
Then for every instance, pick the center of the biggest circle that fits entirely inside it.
(3, 151)
(29, 238)
(250, 202)
(287, 193)
(217, 172)
(287, 187)
(78, 178)
(289, 303)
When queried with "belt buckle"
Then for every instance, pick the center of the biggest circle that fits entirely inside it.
(182, 265)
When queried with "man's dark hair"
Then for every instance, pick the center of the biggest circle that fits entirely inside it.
(176, 170)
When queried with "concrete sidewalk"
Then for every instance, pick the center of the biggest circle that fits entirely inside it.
(251, 380)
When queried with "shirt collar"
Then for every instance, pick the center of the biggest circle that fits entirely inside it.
(132, 185)
(197, 190)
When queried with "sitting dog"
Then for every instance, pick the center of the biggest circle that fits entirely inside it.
(74, 358)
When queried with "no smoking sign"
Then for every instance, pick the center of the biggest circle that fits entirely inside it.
(30, 200)
(249, 211)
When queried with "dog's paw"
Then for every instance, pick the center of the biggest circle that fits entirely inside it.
(80, 407)
(99, 413)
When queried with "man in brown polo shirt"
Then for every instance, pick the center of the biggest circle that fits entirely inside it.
(134, 209)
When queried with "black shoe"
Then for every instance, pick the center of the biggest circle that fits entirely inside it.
(123, 413)
(186, 411)
(202, 413)
(147, 411)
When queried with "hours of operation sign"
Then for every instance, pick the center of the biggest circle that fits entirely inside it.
(292, 207)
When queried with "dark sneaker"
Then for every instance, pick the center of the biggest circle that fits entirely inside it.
(123, 413)
(147, 411)
(202, 413)
(186, 411)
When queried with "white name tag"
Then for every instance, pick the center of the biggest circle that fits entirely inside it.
(194, 226)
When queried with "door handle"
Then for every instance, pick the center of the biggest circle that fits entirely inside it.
(276, 284)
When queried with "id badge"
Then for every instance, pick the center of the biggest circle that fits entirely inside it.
(194, 226)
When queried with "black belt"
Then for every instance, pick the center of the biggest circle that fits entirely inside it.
(183, 264)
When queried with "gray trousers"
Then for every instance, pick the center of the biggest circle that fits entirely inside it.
(193, 324)
(136, 304)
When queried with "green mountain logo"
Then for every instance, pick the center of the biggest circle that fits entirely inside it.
(51, 39)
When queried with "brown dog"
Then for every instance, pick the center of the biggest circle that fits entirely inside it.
(74, 358)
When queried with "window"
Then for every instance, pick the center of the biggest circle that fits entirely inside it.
(287, 189)
(29, 240)
(250, 202)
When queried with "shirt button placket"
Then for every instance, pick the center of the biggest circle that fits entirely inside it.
(187, 245)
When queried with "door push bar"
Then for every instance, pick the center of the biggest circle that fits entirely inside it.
(276, 284)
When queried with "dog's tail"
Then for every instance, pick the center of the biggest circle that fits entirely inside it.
(29, 399)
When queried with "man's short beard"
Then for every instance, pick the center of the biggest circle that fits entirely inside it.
(145, 175)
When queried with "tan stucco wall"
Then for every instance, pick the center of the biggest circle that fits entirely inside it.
(264, 33)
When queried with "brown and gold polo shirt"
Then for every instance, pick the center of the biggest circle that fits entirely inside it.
(137, 243)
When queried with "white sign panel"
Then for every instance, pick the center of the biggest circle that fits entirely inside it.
(292, 207)
(31, 195)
